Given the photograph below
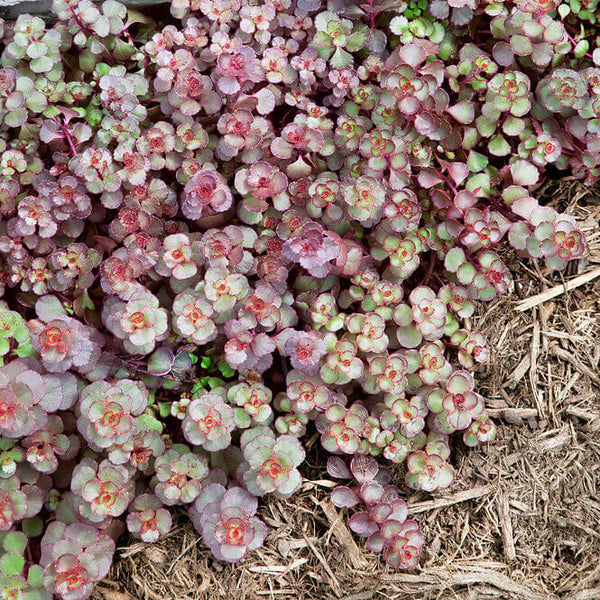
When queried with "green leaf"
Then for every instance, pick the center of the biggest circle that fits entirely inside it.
(36, 102)
(485, 127)
(498, 146)
(135, 16)
(43, 64)
(454, 259)
(520, 107)
(33, 527)
(83, 302)
(476, 161)
(355, 41)
(35, 576)
(524, 173)
(102, 69)
(25, 349)
(15, 541)
(93, 116)
(225, 369)
(465, 273)
(205, 362)
(164, 409)
(214, 382)
(513, 126)
(322, 40)
(151, 421)
(564, 10)
(201, 383)
(15, 118)
(521, 45)
(479, 184)
(11, 563)
(341, 59)
(242, 418)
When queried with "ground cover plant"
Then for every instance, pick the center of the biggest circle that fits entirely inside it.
(225, 232)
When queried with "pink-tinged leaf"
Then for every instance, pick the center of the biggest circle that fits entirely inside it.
(463, 112)
(344, 497)
(362, 525)
(50, 131)
(458, 172)
(49, 307)
(371, 492)
(364, 468)
(524, 173)
(380, 512)
(161, 361)
(465, 200)
(337, 468)
(503, 54)
(281, 149)
(412, 54)
(524, 207)
(428, 178)
(266, 101)
(375, 542)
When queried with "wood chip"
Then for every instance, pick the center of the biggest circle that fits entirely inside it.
(576, 362)
(529, 303)
(520, 370)
(506, 527)
(513, 415)
(343, 535)
(278, 569)
(335, 584)
(444, 578)
(589, 594)
(471, 494)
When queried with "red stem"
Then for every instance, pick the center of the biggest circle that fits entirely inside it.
(67, 134)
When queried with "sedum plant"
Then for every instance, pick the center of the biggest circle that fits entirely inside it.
(247, 227)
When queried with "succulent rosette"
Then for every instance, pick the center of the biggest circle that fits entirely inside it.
(140, 323)
(148, 519)
(46, 446)
(272, 462)
(140, 450)
(192, 318)
(179, 475)
(180, 257)
(74, 557)
(306, 393)
(428, 472)
(22, 391)
(226, 519)
(103, 490)
(17, 502)
(109, 411)
(458, 404)
(254, 399)
(342, 428)
(206, 190)
(313, 248)
(208, 422)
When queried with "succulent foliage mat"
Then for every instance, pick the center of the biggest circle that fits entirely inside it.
(522, 521)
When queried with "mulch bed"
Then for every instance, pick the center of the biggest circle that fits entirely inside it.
(521, 522)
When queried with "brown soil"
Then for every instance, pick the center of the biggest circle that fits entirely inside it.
(522, 521)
